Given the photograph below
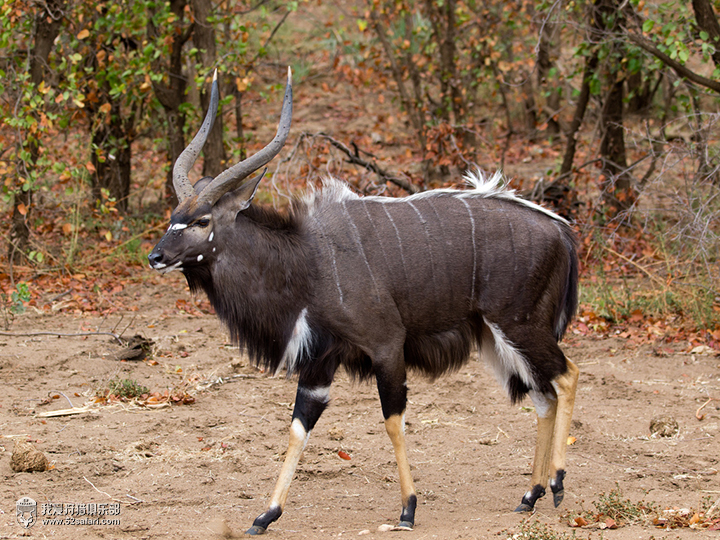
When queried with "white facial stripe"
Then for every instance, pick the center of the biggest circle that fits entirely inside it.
(170, 268)
(212, 235)
(177, 227)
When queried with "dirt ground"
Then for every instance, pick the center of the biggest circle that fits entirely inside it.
(175, 470)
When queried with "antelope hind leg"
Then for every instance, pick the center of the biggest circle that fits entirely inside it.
(554, 418)
(395, 427)
(565, 387)
(393, 397)
(545, 407)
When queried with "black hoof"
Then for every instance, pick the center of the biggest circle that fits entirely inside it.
(556, 486)
(407, 518)
(256, 530)
(528, 500)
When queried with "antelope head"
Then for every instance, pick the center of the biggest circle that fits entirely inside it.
(212, 202)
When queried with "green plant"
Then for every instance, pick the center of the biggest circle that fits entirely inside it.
(126, 388)
(14, 303)
(612, 506)
(534, 530)
(624, 511)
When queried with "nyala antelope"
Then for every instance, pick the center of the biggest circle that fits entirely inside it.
(381, 285)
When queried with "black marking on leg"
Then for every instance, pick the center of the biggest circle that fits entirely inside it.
(262, 522)
(528, 500)
(308, 408)
(393, 393)
(556, 485)
(407, 518)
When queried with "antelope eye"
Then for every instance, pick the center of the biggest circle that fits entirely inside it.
(204, 222)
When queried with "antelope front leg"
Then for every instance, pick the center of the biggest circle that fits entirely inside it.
(309, 405)
(393, 396)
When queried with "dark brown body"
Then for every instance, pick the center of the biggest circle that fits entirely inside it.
(381, 286)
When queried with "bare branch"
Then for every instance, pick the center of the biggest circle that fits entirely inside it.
(59, 334)
(354, 157)
(674, 64)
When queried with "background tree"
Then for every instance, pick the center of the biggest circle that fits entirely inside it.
(168, 29)
(205, 49)
(26, 70)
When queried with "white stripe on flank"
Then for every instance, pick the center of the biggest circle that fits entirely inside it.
(377, 236)
(472, 223)
(397, 235)
(430, 250)
(358, 241)
(324, 239)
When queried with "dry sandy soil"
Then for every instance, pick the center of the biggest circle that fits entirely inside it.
(176, 469)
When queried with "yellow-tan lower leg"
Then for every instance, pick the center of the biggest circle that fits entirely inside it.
(395, 427)
(545, 407)
(565, 387)
(298, 440)
(543, 447)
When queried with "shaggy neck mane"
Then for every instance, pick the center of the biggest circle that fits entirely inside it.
(260, 293)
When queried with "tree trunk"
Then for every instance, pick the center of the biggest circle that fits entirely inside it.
(591, 64)
(171, 95)
(204, 40)
(48, 20)
(548, 50)
(707, 21)
(112, 157)
(618, 191)
(443, 22)
(240, 133)
(529, 108)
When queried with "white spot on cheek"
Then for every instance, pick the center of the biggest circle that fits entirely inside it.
(214, 250)
(200, 258)
(212, 235)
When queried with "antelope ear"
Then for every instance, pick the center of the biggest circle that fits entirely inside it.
(202, 183)
(240, 198)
